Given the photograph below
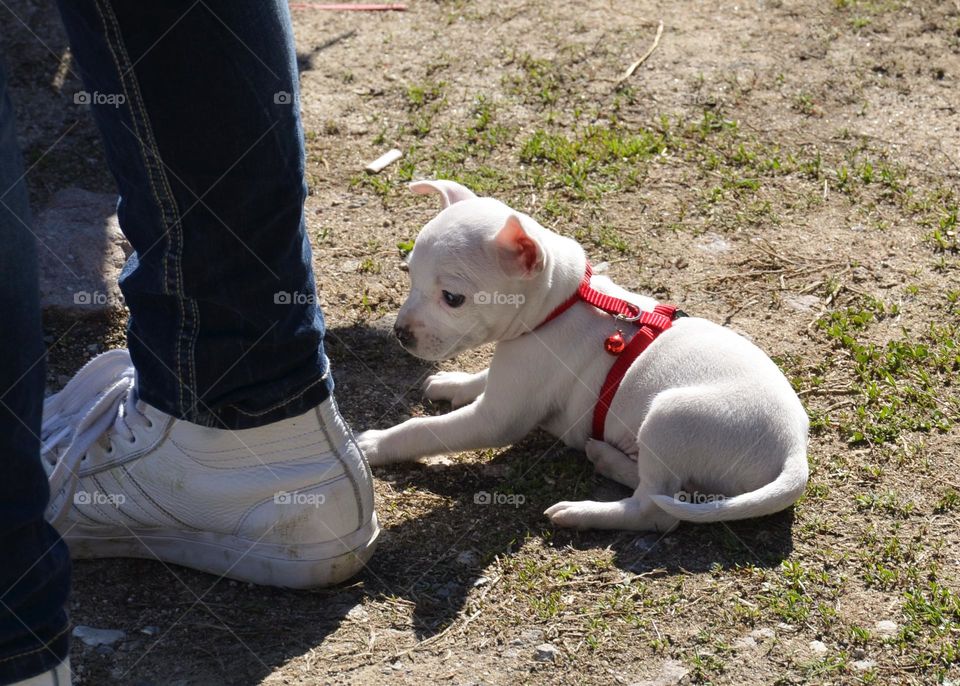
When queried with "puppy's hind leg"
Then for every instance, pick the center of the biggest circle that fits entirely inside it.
(638, 513)
(611, 463)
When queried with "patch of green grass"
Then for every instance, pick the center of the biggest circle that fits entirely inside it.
(420, 95)
(901, 385)
(540, 82)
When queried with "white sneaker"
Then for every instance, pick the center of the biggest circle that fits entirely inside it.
(287, 504)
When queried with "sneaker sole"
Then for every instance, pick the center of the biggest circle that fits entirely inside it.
(267, 564)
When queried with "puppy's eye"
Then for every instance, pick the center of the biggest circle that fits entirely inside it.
(453, 299)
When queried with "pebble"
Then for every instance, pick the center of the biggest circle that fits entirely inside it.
(713, 243)
(818, 647)
(150, 630)
(481, 581)
(801, 303)
(885, 628)
(863, 665)
(545, 652)
(671, 673)
(468, 558)
(358, 613)
(92, 636)
(763, 633)
(645, 543)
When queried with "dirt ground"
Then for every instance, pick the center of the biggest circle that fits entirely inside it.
(788, 168)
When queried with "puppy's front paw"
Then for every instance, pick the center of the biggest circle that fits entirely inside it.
(453, 387)
(370, 443)
(567, 514)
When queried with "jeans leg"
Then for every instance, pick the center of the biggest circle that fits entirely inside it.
(34, 563)
(198, 106)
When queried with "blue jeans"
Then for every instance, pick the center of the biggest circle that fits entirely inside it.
(198, 107)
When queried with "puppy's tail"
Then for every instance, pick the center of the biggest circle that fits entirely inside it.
(773, 497)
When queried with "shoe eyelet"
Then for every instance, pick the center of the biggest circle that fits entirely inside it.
(110, 448)
(149, 423)
(133, 440)
(84, 458)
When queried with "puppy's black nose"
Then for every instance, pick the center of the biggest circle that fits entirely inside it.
(404, 335)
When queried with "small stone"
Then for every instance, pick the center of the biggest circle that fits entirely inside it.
(358, 613)
(680, 263)
(818, 647)
(94, 637)
(437, 462)
(885, 628)
(468, 558)
(397, 666)
(745, 643)
(93, 348)
(150, 630)
(531, 635)
(671, 673)
(713, 243)
(763, 633)
(545, 653)
(863, 665)
(481, 581)
(645, 543)
(801, 303)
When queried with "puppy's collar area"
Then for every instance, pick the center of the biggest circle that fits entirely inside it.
(621, 309)
(649, 326)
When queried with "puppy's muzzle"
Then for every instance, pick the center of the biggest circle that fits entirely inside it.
(405, 336)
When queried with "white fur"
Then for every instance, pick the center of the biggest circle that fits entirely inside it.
(702, 410)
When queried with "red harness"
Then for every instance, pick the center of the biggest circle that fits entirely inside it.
(649, 326)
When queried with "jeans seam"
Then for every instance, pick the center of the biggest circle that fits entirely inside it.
(174, 228)
(282, 403)
(45, 646)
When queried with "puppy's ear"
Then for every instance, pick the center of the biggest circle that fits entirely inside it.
(518, 254)
(451, 191)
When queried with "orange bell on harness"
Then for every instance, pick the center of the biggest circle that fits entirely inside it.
(615, 343)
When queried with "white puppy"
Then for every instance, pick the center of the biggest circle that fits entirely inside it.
(703, 426)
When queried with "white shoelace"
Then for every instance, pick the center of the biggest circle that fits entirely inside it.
(100, 401)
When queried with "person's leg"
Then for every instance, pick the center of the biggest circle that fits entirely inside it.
(199, 109)
(215, 443)
(34, 565)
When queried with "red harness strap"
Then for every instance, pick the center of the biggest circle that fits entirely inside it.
(649, 326)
